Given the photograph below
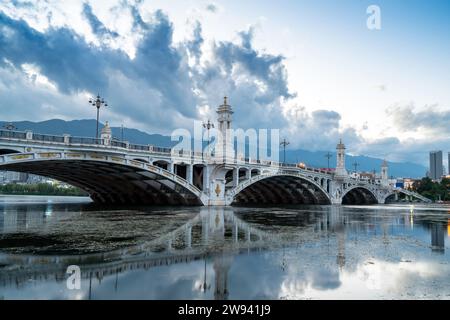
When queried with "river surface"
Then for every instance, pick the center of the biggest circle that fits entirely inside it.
(302, 252)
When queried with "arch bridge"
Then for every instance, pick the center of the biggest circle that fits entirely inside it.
(115, 172)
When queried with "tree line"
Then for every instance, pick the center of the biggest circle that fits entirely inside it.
(41, 189)
(433, 190)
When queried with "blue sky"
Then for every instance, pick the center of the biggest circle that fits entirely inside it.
(310, 68)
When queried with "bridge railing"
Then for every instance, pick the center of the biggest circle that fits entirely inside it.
(140, 147)
(12, 134)
(73, 140)
(48, 138)
(85, 140)
(119, 144)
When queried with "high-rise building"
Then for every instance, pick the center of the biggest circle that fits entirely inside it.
(448, 166)
(436, 171)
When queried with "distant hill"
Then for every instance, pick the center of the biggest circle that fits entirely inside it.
(318, 159)
(87, 128)
(311, 158)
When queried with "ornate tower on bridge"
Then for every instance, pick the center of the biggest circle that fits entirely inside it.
(384, 174)
(340, 160)
(224, 150)
(106, 134)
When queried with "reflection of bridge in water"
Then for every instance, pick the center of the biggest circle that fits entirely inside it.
(215, 234)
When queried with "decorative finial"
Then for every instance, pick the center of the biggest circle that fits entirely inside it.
(225, 100)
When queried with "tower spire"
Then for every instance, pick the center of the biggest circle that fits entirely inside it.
(224, 149)
(340, 160)
(384, 173)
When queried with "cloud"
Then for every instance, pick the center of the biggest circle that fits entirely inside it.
(194, 46)
(96, 25)
(320, 130)
(212, 7)
(255, 82)
(381, 87)
(156, 89)
(158, 69)
(165, 85)
(429, 119)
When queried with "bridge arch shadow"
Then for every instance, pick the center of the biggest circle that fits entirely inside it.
(4, 151)
(277, 189)
(109, 180)
(359, 196)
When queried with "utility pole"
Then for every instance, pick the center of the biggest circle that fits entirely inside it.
(328, 156)
(121, 133)
(284, 143)
(356, 164)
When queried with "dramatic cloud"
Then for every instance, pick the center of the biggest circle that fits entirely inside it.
(96, 25)
(157, 88)
(195, 45)
(156, 84)
(212, 8)
(320, 130)
(429, 119)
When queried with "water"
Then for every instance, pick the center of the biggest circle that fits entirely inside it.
(304, 252)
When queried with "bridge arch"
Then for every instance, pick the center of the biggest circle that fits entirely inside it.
(359, 195)
(108, 179)
(142, 160)
(8, 151)
(409, 195)
(280, 188)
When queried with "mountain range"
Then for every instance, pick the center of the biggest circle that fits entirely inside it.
(84, 128)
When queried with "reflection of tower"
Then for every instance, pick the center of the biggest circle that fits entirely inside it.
(336, 223)
(2, 220)
(384, 174)
(216, 224)
(340, 258)
(224, 150)
(438, 237)
(221, 266)
(340, 160)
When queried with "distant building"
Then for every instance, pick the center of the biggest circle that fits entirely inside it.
(408, 183)
(14, 177)
(367, 176)
(7, 177)
(448, 166)
(436, 168)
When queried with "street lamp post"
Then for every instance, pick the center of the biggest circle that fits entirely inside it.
(98, 102)
(10, 127)
(205, 286)
(284, 143)
(207, 125)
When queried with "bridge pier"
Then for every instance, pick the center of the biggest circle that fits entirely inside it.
(235, 177)
(189, 173)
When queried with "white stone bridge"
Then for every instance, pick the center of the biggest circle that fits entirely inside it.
(115, 172)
